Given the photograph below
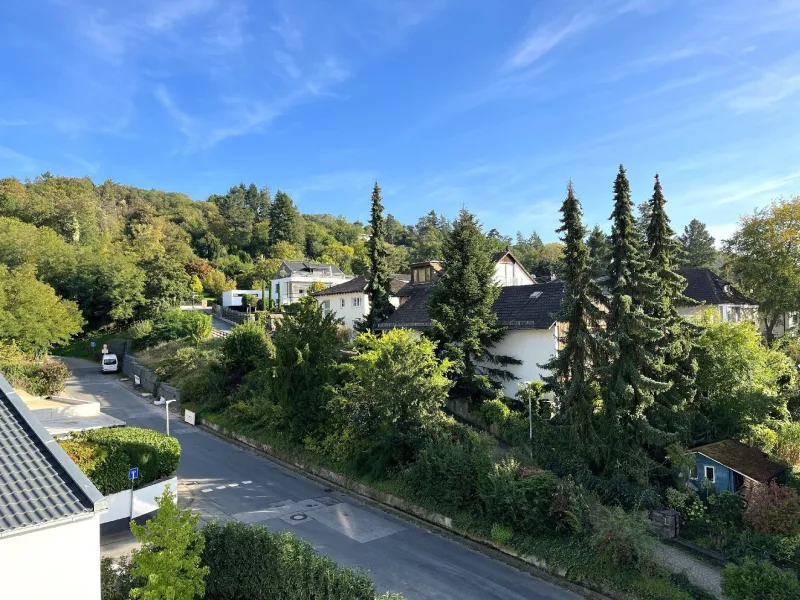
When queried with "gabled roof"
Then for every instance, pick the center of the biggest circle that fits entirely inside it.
(703, 285)
(39, 484)
(517, 307)
(498, 256)
(359, 284)
(748, 461)
(299, 266)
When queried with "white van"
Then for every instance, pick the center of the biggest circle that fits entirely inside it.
(110, 363)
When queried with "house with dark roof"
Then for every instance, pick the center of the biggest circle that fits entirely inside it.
(349, 300)
(730, 466)
(710, 290)
(49, 512)
(509, 271)
(527, 311)
(291, 282)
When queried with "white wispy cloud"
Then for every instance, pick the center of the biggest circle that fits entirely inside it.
(766, 91)
(18, 161)
(165, 15)
(14, 122)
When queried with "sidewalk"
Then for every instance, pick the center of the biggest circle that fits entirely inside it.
(700, 573)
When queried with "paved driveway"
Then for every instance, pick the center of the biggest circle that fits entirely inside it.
(224, 481)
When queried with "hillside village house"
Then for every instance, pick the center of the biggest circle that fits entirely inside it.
(526, 310)
(711, 291)
(49, 512)
(291, 282)
(349, 301)
(732, 466)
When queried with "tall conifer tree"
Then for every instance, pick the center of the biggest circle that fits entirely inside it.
(378, 291)
(673, 350)
(571, 370)
(460, 305)
(631, 331)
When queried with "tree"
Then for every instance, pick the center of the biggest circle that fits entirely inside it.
(170, 555)
(307, 352)
(196, 285)
(378, 288)
(672, 351)
(285, 222)
(427, 237)
(394, 390)
(166, 283)
(698, 245)
(599, 249)
(571, 369)
(196, 326)
(215, 282)
(460, 306)
(264, 272)
(286, 251)
(765, 256)
(31, 315)
(630, 333)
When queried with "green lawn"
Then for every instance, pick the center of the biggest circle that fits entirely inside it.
(81, 348)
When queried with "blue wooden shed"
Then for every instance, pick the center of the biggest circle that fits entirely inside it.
(731, 465)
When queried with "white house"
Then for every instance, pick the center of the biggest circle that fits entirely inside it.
(49, 512)
(349, 301)
(294, 278)
(234, 297)
(527, 311)
(509, 271)
(711, 291)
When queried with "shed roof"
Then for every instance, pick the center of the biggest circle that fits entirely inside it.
(703, 285)
(39, 484)
(359, 284)
(744, 459)
(517, 307)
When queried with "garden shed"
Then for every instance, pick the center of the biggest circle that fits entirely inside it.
(731, 465)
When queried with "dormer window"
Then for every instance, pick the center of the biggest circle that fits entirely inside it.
(422, 274)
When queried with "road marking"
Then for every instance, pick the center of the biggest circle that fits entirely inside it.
(233, 485)
(246, 482)
(205, 491)
(221, 487)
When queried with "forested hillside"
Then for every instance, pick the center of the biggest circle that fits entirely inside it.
(121, 252)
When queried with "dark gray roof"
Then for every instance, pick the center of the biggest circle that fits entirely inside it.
(299, 266)
(517, 307)
(39, 484)
(359, 284)
(703, 285)
(750, 462)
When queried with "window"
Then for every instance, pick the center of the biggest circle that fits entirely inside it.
(710, 474)
(357, 302)
(693, 473)
(341, 302)
(423, 274)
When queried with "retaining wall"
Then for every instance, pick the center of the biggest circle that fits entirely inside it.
(139, 505)
(148, 380)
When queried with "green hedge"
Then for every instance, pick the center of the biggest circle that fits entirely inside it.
(754, 580)
(106, 455)
(39, 378)
(249, 562)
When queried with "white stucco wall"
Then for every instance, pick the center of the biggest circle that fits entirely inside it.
(507, 274)
(234, 297)
(532, 347)
(61, 562)
(348, 313)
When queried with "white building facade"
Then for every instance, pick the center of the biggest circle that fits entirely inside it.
(294, 279)
(349, 302)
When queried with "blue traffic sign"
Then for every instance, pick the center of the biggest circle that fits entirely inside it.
(133, 473)
(92, 344)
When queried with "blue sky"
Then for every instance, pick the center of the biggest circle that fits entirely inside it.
(493, 104)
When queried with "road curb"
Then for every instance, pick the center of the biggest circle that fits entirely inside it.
(407, 511)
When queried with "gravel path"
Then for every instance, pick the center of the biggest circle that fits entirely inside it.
(700, 573)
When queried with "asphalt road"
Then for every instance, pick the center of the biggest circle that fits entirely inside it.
(224, 481)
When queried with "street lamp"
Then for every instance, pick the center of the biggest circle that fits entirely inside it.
(166, 404)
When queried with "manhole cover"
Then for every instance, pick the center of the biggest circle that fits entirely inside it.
(299, 517)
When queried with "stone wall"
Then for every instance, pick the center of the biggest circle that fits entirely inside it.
(148, 380)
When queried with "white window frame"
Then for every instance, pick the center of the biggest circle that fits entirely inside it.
(357, 302)
(713, 477)
(693, 473)
(342, 302)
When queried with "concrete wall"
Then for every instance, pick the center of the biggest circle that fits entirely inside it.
(62, 561)
(133, 504)
(149, 380)
(532, 347)
(234, 297)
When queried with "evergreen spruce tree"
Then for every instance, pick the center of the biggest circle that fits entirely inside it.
(674, 349)
(599, 252)
(285, 222)
(571, 374)
(460, 305)
(631, 330)
(378, 291)
(698, 245)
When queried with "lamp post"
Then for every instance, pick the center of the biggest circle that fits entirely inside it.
(166, 404)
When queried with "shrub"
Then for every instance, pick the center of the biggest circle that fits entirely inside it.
(754, 580)
(195, 326)
(571, 507)
(106, 455)
(501, 534)
(184, 359)
(116, 578)
(254, 563)
(621, 539)
(246, 348)
(495, 411)
(773, 508)
(537, 495)
(450, 469)
(681, 581)
(141, 330)
(39, 378)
